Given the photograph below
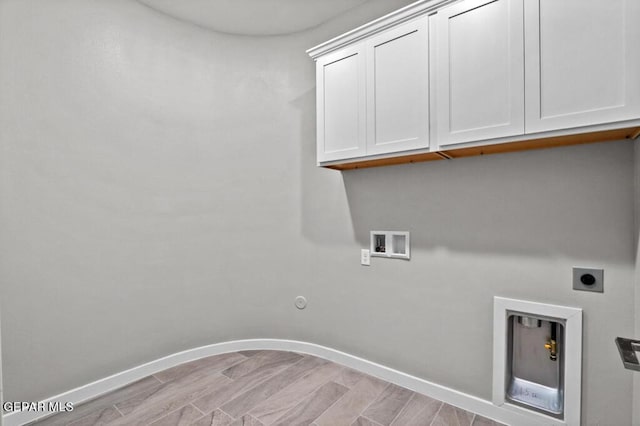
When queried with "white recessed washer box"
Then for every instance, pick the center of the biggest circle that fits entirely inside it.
(571, 348)
(392, 244)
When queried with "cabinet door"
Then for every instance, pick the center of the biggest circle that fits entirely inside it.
(480, 71)
(398, 89)
(582, 59)
(341, 104)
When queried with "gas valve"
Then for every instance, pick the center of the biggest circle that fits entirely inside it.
(552, 347)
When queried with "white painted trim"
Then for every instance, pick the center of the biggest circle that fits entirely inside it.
(419, 8)
(468, 402)
(573, 355)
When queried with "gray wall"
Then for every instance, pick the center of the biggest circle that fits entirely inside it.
(159, 192)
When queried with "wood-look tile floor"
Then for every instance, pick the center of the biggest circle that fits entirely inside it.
(262, 388)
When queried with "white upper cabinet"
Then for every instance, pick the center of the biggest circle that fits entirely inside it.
(341, 104)
(398, 89)
(441, 79)
(582, 62)
(480, 71)
(373, 97)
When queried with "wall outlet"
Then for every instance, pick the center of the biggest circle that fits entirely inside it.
(588, 279)
(365, 257)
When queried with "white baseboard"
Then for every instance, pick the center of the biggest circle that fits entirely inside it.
(504, 414)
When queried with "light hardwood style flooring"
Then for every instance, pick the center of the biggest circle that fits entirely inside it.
(263, 388)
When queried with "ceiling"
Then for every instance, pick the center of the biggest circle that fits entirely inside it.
(254, 17)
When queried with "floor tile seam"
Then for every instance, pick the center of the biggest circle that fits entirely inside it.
(230, 416)
(153, 393)
(303, 357)
(170, 397)
(334, 402)
(197, 409)
(364, 376)
(322, 383)
(118, 410)
(222, 370)
(406, 404)
(261, 381)
(311, 392)
(277, 420)
(173, 411)
(113, 402)
(403, 405)
(72, 420)
(371, 420)
(441, 404)
(237, 394)
(210, 414)
(240, 361)
(303, 377)
(307, 399)
(280, 390)
(201, 368)
(180, 391)
(464, 411)
(361, 414)
(249, 415)
(259, 366)
(437, 414)
(150, 422)
(158, 378)
(199, 418)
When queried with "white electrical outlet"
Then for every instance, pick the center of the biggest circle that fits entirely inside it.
(365, 257)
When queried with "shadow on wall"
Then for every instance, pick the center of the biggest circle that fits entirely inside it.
(559, 202)
(325, 215)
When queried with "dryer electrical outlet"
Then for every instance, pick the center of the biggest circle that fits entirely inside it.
(588, 279)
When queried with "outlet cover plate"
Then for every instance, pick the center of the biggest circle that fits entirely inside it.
(597, 286)
(365, 257)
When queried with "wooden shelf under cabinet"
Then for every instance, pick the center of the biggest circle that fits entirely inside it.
(540, 143)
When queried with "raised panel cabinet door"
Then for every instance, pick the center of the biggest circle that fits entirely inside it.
(398, 89)
(480, 71)
(582, 62)
(341, 104)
